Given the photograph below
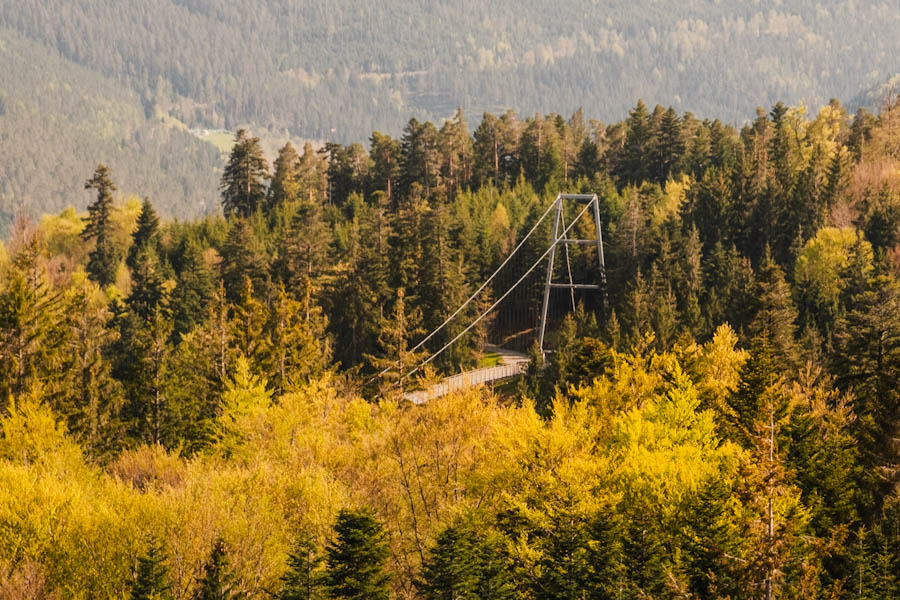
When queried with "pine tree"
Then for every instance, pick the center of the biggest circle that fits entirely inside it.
(631, 166)
(356, 558)
(420, 157)
(488, 150)
(304, 579)
(443, 286)
(32, 332)
(104, 258)
(644, 558)
(395, 358)
(92, 399)
(867, 361)
(216, 583)
(146, 235)
(362, 292)
(565, 565)
(667, 147)
(303, 254)
(243, 258)
(285, 187)
(194, 287)
(385, 153)
(298, 349)
(149, 291)
(452, 569)
(456, 148)
(775, 316)
(243, 180)
(151, 582)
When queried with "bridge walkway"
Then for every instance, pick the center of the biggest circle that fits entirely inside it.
(511, 363)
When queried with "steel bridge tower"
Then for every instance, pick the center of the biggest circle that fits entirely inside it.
(563, 239)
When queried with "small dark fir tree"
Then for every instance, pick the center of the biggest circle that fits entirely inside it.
(151, 581)
(451, 571)
(465, 564)
(215, 583)
(104, 258)
(356, 558)
(304, 579)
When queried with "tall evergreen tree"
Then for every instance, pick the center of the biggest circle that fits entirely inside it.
(631, 165)
(464, 565)
(385, 153)
(356, 558)
(194, 287)
(104, 257)
(145, 236)
(243, 258)
(285, 186)
(243, 180)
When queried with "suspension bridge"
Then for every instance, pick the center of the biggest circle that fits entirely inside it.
(562, 237)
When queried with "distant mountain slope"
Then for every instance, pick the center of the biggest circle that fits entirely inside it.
(58, 120)
(339, 69)
(313, 66)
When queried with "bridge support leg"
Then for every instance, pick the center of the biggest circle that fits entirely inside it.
(553, 242)
(600, 261)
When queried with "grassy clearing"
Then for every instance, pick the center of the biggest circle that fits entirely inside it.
(490, 359)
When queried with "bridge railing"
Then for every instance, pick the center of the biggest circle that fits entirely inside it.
(465, 380)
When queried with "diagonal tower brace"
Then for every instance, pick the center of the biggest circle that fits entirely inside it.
(557, 239)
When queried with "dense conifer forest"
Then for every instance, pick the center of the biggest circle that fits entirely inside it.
(192, 409)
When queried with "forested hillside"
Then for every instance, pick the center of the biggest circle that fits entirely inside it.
(56, 117)
(337, 70)
(189, 408)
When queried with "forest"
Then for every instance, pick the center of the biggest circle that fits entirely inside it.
(213, 408)
(84, 79)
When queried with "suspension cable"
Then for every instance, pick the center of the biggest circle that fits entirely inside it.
(475, 294)
(500, 299)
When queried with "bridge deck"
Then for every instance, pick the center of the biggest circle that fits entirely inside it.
(511, 364)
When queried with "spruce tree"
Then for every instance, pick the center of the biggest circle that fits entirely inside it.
(151, 582)
(398, 331)
(631, 166)
(216, 583)
(104, 257)
(285, 185)
(145, 236)
(452, 569)
(303, 254)
(385, 153)
(32, 333)
(304, 579)
(666, 148)
(775, 316)
(194, 287)
(243, 180)
(243, 258)
(356, 558)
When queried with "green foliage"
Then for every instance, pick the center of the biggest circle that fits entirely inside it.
(104, 258)
(356, 557)
(733, 431)
(216, 582)
(304, 579)
(465, 564)
(151, 577)
(243, 188)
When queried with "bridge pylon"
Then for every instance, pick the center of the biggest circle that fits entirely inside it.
(565, 241)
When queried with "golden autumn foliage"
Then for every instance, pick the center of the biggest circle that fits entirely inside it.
(285, 465)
